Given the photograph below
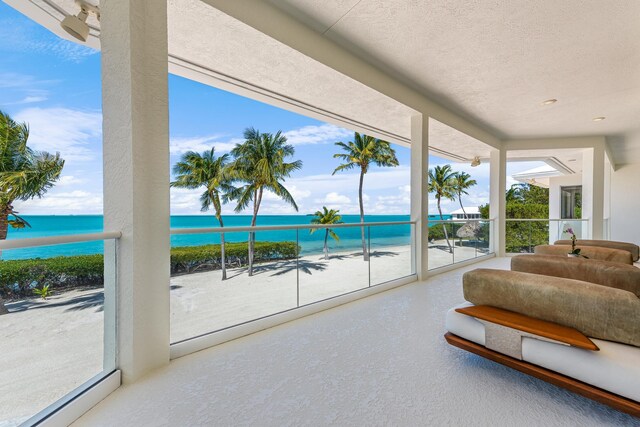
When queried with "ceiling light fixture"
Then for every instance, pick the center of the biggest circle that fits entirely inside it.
(598, 119)
(549, 101)
(475, 162)
(76, 25)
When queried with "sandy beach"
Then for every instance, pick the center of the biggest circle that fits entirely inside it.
(51, 347)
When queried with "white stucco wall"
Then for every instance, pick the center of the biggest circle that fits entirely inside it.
(625, 203)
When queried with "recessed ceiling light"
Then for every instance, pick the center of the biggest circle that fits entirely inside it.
(549, 101)
(598, 119)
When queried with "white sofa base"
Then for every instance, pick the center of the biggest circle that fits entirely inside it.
(615, 368)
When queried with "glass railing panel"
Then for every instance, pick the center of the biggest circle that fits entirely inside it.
(522, 236)
(202, 302)
(441, 240)
(577, 226)
(465, 240)
(341, 269)
(52, 336)
(484, 238)
(390, 252)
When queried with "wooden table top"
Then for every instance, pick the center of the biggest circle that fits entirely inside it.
(531, 325)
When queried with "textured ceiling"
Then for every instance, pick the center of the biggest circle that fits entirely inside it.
(492, 61)
(496, 61)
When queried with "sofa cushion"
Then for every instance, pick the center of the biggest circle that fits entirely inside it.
(592, 252)
(596, 311)
(630, 247)
(605, 273)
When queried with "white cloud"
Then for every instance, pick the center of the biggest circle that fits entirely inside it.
(322, 134)
(23, 38)
(75, 134)
(31, 99)
(334, 199)
(62, 203)
(67, 180)
(180, 145)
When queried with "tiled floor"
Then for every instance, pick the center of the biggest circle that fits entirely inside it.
(378, 361)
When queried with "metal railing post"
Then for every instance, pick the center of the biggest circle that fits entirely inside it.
(297, 267)
(369, 249)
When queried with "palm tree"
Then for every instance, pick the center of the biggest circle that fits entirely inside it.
(363, 151)
(24, 174)
(196, 170)
(259, 162)
(461, 183)
(327, 216)
(441, 183)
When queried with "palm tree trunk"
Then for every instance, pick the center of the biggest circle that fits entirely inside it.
(4, 228)
(222, 249)
(326, 246)
(464, 213)
(444, 227)
(252, 235)
(365, 254)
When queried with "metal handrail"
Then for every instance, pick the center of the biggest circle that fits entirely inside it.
(544, 219)
(449, 221)
(58, 240)
(257, 229)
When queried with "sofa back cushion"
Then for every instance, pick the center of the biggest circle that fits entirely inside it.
(629, 247)
(605, 273)
(592, 252)
(596, 311)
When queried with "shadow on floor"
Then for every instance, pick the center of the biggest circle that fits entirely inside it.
(78, 303)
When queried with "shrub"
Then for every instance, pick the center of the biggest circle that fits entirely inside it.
(19, 278)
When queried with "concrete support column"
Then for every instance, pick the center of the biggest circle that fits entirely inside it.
(497, 203)
(136, 176)
(420, 193)
(593, 191)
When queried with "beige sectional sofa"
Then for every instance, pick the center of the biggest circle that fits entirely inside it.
(591, 252)
(629, 247)
(600, 299)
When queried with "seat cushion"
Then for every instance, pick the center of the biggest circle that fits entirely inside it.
(591, 252)
(596, 311)
(629, 247)
(615, 368)
(605, 273)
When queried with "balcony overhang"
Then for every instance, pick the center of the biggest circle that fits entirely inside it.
(213, 48)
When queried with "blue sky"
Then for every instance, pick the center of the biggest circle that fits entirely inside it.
(54, 85)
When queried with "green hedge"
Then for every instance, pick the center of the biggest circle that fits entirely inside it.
(18, 278)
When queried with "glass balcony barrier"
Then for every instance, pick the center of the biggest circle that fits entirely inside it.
(292, 266)
(524, 234)
(57, 321)
(454, 241)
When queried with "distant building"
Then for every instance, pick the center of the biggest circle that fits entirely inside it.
(472, 213)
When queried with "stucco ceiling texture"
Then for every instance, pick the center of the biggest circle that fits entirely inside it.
(496, 61)
(238, 50)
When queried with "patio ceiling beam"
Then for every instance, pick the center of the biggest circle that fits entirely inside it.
(296, 35)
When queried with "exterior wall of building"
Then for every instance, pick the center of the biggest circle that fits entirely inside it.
(625, 203)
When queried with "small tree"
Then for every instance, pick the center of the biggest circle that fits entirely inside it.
(326, 217)
(196, 170)
(24, 174)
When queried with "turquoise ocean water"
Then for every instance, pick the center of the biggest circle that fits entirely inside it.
(58, 225)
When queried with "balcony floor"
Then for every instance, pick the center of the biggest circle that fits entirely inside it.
(377, 361)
